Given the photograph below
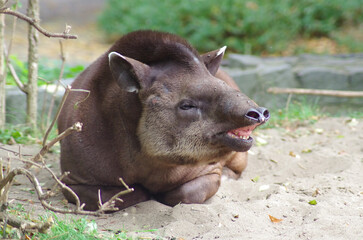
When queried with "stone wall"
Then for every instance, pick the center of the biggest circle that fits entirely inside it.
(16, 102)
(255, 75)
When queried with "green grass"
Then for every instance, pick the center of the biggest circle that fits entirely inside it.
(304, 113)
(297, 113)
(355, 114)
(69, 228)
(80, 229)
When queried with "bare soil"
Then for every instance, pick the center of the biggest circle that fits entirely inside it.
(287, 169)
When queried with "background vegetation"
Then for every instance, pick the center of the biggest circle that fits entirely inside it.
(48, 71)
(245, 26)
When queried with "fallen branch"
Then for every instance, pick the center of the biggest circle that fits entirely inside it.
(34, 23)
(107, 206)
(332, 93)
(27, 226)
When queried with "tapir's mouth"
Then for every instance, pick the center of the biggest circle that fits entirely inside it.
(239, 139)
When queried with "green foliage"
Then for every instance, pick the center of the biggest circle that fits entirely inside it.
(352, 44)
(19, 134)
(22, 134)
(243, 25)
(48, 71)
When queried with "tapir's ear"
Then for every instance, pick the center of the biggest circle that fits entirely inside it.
(213, 59)
(128, 73)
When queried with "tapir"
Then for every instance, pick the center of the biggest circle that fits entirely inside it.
(159, 115)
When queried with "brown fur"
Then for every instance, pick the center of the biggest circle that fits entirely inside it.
(137, 123)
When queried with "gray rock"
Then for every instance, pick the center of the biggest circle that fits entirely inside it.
(292, 61)
(243, 61)
(274, 76)
(245, 79)
(16, 103)
(355, 78)
(322, 78)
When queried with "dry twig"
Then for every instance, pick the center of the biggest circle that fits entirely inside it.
(39, 156)
(110, 204)
(18, 83)
(63, 59)
(34, 23)
(68, 90)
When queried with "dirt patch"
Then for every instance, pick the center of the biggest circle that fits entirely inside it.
(322, 162)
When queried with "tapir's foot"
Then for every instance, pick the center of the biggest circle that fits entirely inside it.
(197, 190)
(88, 194)
(235, 165)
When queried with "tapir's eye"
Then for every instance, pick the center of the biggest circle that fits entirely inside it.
(187, 105)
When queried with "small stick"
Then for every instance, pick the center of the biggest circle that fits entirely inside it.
(332, 93)
(76, 127)
(18, 83)
(68, 90)
(63, 59)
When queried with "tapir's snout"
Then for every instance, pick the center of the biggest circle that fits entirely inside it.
(243, 115)
(258, 115)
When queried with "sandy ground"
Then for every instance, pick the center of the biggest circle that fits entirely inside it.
(287, 169)
(290, 167)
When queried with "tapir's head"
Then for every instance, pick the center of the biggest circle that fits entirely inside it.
(188, 115)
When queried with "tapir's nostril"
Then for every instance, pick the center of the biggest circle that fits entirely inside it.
(265, 112)
(253, 114)
(259, 115)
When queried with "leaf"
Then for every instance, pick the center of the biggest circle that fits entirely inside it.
(263, 188)
(313, 202)
(274, 161)
(307, 150)
(255, 179)
(316, 192)
(274, 220)
(352, 122)
(260, 141)
(319, 130)
(292, 154)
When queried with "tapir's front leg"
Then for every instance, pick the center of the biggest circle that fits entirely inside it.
(235, 164)
(197, 190)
